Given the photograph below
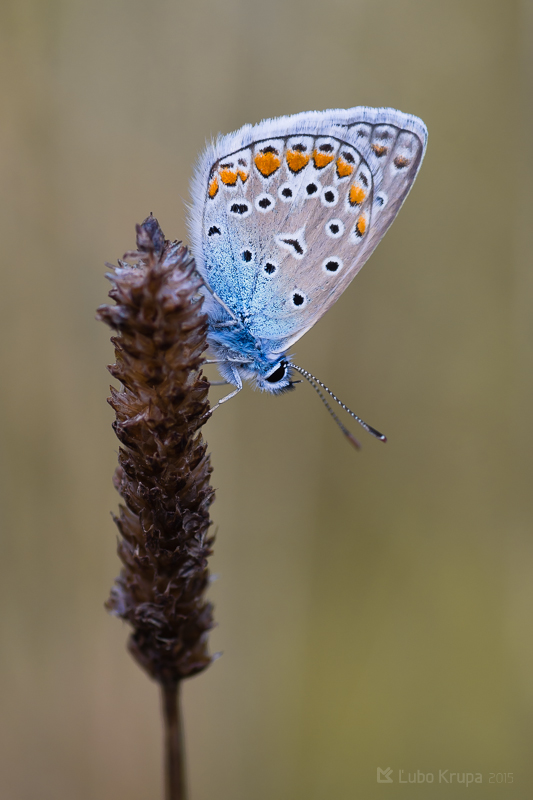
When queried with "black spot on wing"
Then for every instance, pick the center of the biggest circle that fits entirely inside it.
(295, 244)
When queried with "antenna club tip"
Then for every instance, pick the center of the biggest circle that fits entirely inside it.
(351, 438)
(377, 434)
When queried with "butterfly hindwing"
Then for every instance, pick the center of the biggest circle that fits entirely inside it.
(286, 212)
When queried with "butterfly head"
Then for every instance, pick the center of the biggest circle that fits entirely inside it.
(277, 379)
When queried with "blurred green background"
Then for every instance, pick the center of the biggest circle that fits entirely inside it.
(375, 608)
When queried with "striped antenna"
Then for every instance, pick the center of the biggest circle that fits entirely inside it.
(316, 383)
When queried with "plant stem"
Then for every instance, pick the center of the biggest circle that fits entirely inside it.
(174, 750)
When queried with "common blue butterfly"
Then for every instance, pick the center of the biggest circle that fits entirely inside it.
(284, 214)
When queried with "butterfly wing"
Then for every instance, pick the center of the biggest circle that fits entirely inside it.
(285, 213)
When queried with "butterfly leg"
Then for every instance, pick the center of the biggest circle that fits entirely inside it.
(230, 323)
(227, 361)
(237, 382)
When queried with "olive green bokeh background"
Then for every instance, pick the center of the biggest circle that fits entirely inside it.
(374, 608)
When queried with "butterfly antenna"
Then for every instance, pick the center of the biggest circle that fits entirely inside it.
(316, 383)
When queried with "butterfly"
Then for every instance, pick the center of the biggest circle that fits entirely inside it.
(283, 216)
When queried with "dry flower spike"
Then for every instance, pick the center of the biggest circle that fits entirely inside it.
(163, 473)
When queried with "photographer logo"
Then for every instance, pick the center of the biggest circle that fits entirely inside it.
(384, 775)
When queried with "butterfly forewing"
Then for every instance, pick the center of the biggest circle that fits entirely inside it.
(288, 220)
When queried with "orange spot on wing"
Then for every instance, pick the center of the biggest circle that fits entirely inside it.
(357, 194)
(380, 150)
(343, 168)
(228, 177)
(322, 159)
(213, 187)
(401, 162)
(360, 226)
(296, 160)
(267, 163)
(243, 175)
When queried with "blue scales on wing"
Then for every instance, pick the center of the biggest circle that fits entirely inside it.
(285, 213)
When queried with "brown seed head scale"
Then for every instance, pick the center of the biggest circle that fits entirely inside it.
(163, 473)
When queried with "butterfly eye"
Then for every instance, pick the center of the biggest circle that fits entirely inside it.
(214, 231)
(278, 374)
(270, 268)
(311, 189)
(247, 255)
